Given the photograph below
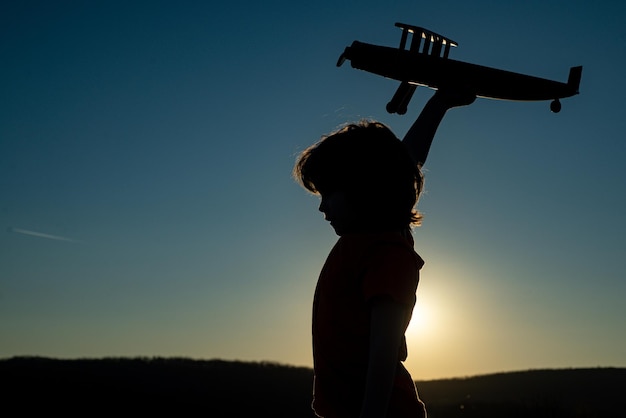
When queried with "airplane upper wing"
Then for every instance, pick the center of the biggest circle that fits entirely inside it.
(434, 44)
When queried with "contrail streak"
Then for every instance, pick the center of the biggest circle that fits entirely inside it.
(41, 235)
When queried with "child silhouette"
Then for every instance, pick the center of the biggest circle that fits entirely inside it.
(369, 183)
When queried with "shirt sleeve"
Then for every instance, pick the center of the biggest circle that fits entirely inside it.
(392, 270)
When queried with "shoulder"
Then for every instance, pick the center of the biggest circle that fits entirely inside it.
(393, 248)
(385, 251)
(391, 269)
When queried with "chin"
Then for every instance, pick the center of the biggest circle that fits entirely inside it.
(338, 229)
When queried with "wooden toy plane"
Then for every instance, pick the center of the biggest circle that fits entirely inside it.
(427, 64)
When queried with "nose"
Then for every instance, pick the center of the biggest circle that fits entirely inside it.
(322, 206)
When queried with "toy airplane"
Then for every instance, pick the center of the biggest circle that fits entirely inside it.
(427, 64)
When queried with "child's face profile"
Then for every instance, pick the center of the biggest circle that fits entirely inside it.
(339, 211)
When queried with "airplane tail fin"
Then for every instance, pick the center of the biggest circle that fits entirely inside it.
(575, 74)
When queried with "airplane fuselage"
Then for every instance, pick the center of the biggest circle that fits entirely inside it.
(434, 71)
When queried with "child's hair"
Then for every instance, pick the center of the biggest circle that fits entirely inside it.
(367, 162)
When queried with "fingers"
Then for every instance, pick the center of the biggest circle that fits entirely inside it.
(455, 96)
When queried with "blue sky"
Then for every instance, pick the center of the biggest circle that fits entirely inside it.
(147, 208)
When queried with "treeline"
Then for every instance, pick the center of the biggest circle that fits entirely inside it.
(558, 393)
(175, 387)
(187, 388)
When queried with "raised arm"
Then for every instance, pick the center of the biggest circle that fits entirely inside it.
(420, 136)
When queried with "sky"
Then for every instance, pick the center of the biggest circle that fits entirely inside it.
(147, 206)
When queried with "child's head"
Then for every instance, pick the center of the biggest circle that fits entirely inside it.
(372, 167)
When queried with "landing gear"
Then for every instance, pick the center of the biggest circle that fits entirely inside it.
(400, 100)
(555, 106)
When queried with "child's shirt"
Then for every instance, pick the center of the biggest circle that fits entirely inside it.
(359, 268)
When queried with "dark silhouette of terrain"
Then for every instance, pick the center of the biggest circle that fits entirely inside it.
(187, 388)
(571, 393)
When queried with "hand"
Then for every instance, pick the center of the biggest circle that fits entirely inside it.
(450, 97)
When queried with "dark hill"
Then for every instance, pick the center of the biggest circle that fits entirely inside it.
(154, 386)
(576, 393)
(184, 387)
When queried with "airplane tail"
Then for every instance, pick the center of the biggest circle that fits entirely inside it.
(575, 74)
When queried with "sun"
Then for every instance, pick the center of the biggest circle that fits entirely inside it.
(423, 320)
